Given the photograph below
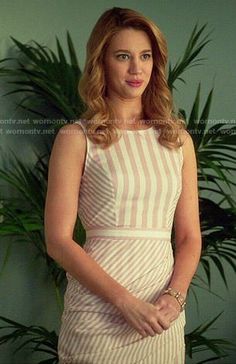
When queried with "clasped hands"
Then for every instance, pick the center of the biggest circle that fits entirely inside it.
(147, 318)
(169, 307)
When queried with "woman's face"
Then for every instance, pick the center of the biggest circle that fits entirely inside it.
(128, 59)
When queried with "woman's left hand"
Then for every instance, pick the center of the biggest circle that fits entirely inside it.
(169, 306)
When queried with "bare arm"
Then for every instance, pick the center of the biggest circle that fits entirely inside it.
(64, 177)
(188, 239)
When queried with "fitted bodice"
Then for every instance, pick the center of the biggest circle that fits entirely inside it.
(135, 183)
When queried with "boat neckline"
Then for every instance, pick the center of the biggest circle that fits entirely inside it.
(135, 130)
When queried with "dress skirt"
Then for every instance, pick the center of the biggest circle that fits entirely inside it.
(93, 331)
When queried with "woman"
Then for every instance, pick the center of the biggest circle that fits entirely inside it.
(129, 182)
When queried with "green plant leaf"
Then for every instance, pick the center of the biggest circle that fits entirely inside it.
(196, 342)
(41, 339)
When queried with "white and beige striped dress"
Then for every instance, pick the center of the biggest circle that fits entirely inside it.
(127, 199)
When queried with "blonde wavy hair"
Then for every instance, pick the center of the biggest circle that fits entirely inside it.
(157, 101)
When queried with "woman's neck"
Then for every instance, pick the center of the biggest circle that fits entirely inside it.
(127, 114)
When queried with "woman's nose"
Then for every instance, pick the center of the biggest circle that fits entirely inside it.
(135, 66)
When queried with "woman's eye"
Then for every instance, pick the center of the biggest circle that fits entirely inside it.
(122, 56)
(147, 56)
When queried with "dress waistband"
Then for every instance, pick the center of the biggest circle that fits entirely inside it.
(129, 232)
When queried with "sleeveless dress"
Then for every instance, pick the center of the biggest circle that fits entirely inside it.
(127, 199)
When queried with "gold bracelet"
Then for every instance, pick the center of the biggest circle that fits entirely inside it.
(172, 292)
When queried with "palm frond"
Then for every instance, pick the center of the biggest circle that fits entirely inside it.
(219, 238)
(23, 217)
(194, 47)
(214, 149)
(196, 342)
(40, 338)
(47, 77)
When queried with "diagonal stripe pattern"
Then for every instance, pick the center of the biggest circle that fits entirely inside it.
(127, 199)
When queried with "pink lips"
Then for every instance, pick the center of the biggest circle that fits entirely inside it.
(135, 83)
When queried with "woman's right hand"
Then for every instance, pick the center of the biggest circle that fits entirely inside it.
(143, 316)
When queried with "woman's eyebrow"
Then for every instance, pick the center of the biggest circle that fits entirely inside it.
(127, 51)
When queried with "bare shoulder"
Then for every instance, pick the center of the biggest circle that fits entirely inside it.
(186, 221)
(71, 137)
(185, 137)
(72, 132)
(188, 146)
(64, 178)
(69, 147)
